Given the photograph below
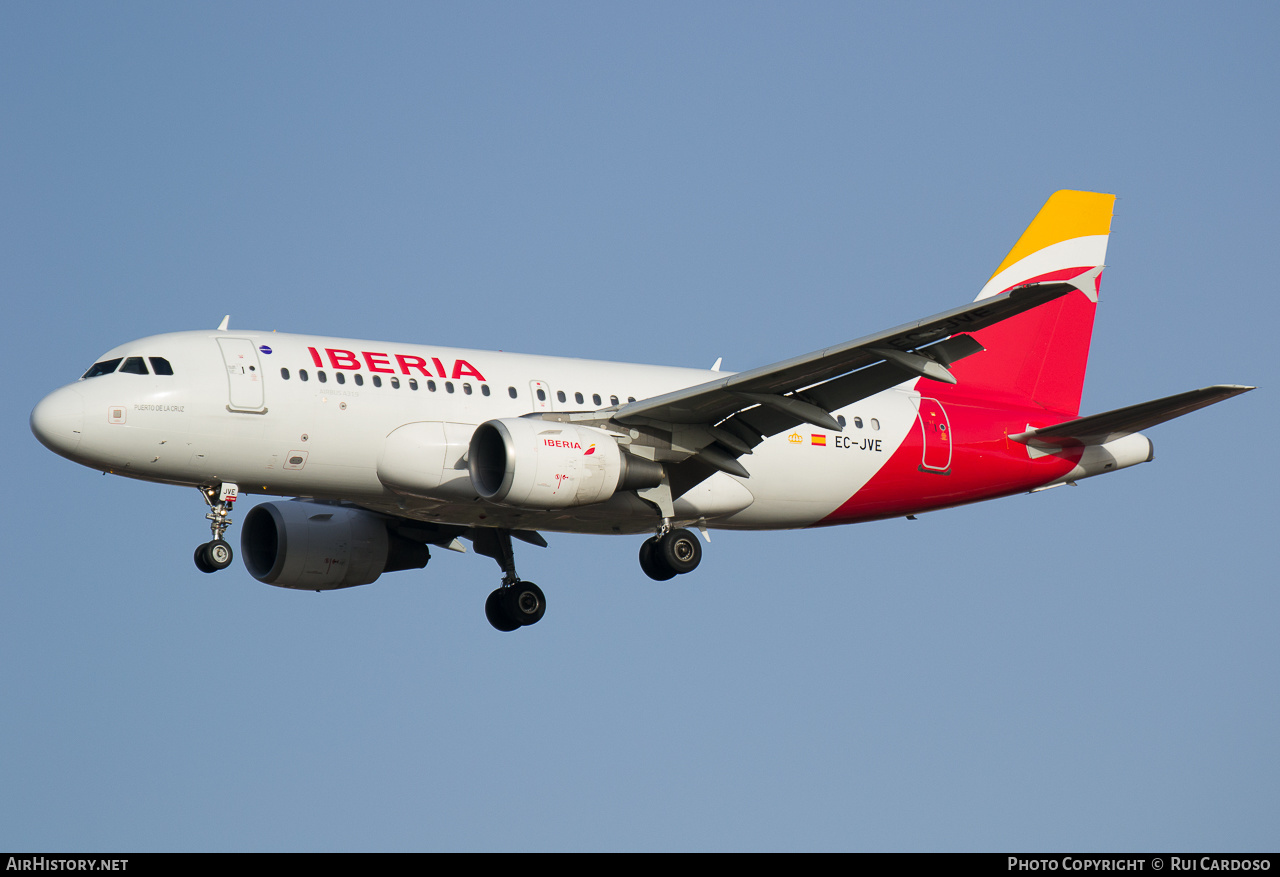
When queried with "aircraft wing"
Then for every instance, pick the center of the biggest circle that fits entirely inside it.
(1098, 429)
(739, 411)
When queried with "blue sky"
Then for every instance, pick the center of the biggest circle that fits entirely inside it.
(1089, 668)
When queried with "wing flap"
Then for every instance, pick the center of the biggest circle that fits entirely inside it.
(715, 400)
(756, 424)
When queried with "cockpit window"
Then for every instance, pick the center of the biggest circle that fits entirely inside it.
(134, 365)
(106, 367)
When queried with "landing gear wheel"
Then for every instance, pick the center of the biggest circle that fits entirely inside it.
(679, 551)
(652, 564)
(525, 603)
(218, 554)
(495, 609)
(202, 562)
(213, 556)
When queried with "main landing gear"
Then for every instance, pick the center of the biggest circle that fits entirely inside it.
(669, 554)
(216, 555)
(517, 603)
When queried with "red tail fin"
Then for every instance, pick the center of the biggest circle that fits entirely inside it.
(1039, 358)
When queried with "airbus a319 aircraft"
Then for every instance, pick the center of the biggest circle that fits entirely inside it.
(390, 449)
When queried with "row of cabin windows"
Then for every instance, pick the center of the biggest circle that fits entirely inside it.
(133, 365)
(857, 421)
(577, 397)
(394, 381)
(449, 387)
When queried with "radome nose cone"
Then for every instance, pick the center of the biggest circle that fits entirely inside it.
(58, 420)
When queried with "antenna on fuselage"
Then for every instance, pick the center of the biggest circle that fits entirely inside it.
(222, 327)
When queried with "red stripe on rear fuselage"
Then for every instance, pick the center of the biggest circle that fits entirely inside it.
(985, 463)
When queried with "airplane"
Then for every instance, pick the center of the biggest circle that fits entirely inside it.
(390, 449)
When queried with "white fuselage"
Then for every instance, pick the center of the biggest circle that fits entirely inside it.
(307, 416)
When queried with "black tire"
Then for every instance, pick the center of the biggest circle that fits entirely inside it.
(218, 554)
(651, 561)
(679, 551)
(495, 609)
(526, 603)
(202, 561)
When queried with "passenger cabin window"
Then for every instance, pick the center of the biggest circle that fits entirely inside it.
(160, 365)
(577, 397)
(395, 383)
(448, 386)
(413, 383)
(302, 374)
(542, 394)
(377, 381)
(466, 388)
(560, 395)
(320, 376)
(106, 367)
(613, 400)
(484, 389)
(511, 391)
(284, 373)
(595, 398)
(431, 385)
(340, 377)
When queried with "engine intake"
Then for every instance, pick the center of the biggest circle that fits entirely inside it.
(538, 464)
(315, 547)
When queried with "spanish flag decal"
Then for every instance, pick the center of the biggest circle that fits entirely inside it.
(819, 440)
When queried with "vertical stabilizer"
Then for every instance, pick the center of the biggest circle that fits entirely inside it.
(1039, 358)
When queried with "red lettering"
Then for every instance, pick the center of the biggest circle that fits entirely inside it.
(373, 360)
(408, 362)
(342, 358)
(462, 368)
(381, 362)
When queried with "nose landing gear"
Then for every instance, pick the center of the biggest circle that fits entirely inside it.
(216, 555)
(213, 556)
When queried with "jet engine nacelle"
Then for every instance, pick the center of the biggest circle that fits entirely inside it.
(540, 464)
(315, 547)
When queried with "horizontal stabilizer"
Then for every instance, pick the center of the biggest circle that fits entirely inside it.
(1098, 429)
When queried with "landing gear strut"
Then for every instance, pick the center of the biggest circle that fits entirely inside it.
(517, 603)
(216, 555)
(670, 554)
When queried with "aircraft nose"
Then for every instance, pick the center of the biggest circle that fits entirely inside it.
(58, 420)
